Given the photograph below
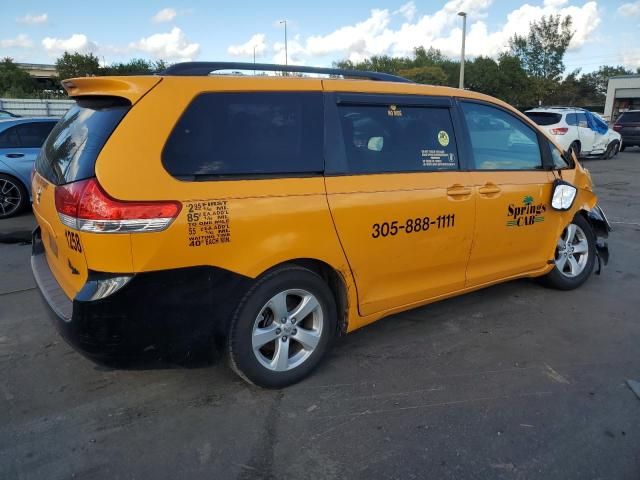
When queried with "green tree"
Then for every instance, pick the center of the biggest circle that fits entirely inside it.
(596, 82)
(542, 51)
(14, 81)
(431, 75)
(71, 65)
(515, 84)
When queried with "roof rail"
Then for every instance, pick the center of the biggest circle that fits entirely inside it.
(205, 68)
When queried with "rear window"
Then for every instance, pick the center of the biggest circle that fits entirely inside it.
(70, 152)
(257, 133)
(629, 117)
(544, 118)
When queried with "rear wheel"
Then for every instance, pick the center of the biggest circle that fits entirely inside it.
(282, 328)
(13, 196)
(574, 257)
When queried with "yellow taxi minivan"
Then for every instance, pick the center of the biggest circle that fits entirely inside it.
(276, 212)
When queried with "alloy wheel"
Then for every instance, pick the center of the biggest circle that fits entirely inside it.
(572, 251)
(287, 330)
(10, 197)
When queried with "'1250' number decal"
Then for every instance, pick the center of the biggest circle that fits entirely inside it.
(413, 225)
(73, 240)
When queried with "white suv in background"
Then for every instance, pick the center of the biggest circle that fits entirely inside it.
(570, 128)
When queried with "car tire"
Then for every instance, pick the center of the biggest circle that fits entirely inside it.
(282, 327)
(14, 197)
(575, 148)
(610, 151)
(575, 256)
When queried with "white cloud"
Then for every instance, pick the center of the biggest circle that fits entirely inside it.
(246, 49)
(631, 58)
(408, 11)
(167, 46)
(33, 19)
(164, 15)
(78, 42)
(377, 35)
(21, 41)
(554, 3)
(629, 9)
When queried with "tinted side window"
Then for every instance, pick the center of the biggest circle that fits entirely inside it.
(33, 135)
(499, 140)
(395, 138)
(572, 119)
(247, 133)
(9, 138)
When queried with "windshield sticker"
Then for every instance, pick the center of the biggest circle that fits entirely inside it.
(208, 223)
(443, 138)
(394, 111)
(528, 214)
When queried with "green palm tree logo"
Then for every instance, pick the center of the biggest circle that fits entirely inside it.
(528, 200)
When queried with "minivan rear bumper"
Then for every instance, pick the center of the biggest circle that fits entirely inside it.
(170, 311)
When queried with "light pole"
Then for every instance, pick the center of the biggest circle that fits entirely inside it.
(464, 34)
(286, 51)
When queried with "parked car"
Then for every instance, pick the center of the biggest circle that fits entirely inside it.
(7, 114)
(578, 130)
(20, 142)
(628, 125)
(270, 214)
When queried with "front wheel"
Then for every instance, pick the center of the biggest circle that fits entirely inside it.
(574, 256)
(282, 328)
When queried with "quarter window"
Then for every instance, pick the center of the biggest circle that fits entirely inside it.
(223, 134)
(499, 140)
(33, 135)
(395, 138)
(9, 138)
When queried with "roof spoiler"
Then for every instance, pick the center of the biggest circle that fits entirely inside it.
(132, 88)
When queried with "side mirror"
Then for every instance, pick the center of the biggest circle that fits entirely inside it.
(563, 195)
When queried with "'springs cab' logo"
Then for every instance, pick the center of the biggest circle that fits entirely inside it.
(528, 214)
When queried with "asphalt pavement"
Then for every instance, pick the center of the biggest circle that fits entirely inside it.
(512, 382)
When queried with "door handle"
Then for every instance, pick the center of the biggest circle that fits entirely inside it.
(489, 189)
(458, 190)
(15, 155)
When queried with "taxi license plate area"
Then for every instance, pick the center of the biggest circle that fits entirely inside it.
(50, 243)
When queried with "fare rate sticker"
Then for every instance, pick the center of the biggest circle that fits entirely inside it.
(208, 223)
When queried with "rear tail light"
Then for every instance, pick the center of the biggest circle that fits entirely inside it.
(559, 131)
(617, 127)
(86, 206)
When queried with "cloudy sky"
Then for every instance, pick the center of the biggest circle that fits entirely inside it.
(37, 31)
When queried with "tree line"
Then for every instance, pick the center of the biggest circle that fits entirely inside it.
(17, 83)
(531, 72)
